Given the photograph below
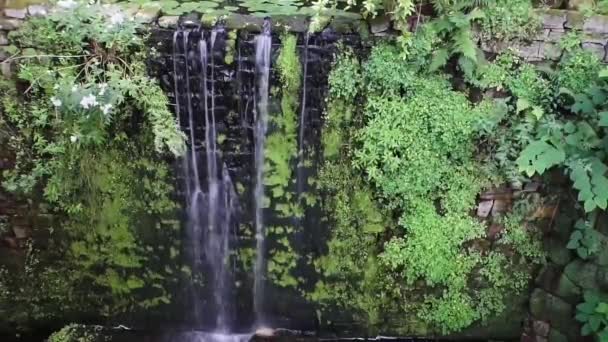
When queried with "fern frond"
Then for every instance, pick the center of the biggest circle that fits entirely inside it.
(467, 66)
(463, 44)
(440, 58)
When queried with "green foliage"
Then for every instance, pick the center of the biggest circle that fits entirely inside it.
(509, 19)
(593, 314)
(585, 240)
(453, 26)
(577, 70)
(281, 154)
(402, 238)
(91, 132)
(78, 333)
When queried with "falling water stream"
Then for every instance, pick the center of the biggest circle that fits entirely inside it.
(210, 211)
(262, 66)
(300, 166)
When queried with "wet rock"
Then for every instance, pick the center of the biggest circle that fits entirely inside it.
(168, 21)
(10, 24)
(3, 38)
(38, 10)
(500, 206)
(583, 274)
(379, 24)
(484, 208)
(17, 13)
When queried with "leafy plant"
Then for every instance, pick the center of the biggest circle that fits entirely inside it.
(91, 134)
(585, 240)
(593, 314)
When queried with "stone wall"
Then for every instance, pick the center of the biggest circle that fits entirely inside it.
(555, 24)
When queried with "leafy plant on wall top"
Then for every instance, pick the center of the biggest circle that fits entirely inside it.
(89, 127)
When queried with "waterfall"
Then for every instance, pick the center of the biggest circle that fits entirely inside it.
(262, 66)
(300, 167)
(210, 213)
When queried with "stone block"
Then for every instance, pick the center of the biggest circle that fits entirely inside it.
(10, 24)
(551, 51)
(583, 274)
(596, 49)
(574, 21)
(556, 336)
(147, 14)
(557, 251)
(555, 35)
(237, 21)
(579, 5)
(541, 328)
(38, 10)
(550, 308)
(596, 24)
(548, 277)
(484, 208)
(567, 290)
(379, 24)
(3, 38)
(553, 19)
(602, 278)
(17, 13)
(529, 52)
(168, 21)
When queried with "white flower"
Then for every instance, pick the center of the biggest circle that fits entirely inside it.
(73, 138)
(106, 108)
(67, 3)
(74, 88)
(88, 101)
(56, 102)
(117, 18)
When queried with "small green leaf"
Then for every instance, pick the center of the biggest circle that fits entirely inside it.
(522, 104)
(603, 119)
(586, 330)
(582, 252)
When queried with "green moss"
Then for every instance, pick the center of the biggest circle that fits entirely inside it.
(281, 153)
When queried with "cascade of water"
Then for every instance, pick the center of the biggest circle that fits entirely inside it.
(262, 66)
(209, 214)
(300, 167)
